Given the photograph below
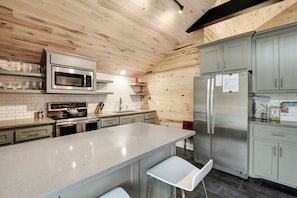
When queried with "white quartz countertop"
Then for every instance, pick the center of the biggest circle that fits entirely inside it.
(35, 169)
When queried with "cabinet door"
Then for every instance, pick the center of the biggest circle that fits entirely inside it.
(126, 119)
(265, 159)
(6, 137)
(33, 133)
(288, 60)
(138, 118)
(287, 164)
(210, 59)
(267, 64)
(237, 55)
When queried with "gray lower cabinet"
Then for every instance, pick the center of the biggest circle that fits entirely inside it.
(138, 117)
(6, 137)
(109, 121)
(275, 61)
(16, 135)
(149, 117)
(127, 119)
(31, 133)
(273, 153)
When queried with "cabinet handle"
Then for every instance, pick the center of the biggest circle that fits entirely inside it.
(275, 83)
(274, 150)
(280, 152)
(281, 82)
(224, 64)
(277, 135)
(34, 134)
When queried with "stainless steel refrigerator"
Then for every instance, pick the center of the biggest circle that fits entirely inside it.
(221, 121)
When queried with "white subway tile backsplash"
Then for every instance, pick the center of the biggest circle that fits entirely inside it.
(17, 106)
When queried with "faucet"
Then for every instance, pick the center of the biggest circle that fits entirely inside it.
(121, 106)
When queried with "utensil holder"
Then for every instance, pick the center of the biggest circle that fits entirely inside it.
(98, 110)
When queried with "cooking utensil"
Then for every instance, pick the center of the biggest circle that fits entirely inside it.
(101, 104)
(72, 111)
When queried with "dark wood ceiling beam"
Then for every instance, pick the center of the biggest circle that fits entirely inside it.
(229, 10)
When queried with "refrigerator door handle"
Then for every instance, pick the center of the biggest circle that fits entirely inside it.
(208, 106)
(212, 106)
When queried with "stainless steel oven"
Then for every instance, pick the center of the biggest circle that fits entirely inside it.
(73, 126)
(72, 118)
(68, 73)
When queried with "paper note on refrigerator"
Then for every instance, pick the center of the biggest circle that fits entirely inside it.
(231, 83)
(219, 80)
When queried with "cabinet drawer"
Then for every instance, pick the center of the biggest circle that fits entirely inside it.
(106, 122)
(150, 115)
(33, 133)
(152, 121)
(275, 133)
(126, 120)
(6, 137)
(138, 118)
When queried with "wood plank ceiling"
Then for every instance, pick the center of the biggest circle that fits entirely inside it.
(129, 34)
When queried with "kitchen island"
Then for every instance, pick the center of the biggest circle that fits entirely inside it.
(88, 164)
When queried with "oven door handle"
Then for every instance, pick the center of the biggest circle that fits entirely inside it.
(91, 121)
(66, 124)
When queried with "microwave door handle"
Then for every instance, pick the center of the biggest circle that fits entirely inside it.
(85, 80)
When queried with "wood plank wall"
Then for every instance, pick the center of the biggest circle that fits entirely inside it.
(170, 84)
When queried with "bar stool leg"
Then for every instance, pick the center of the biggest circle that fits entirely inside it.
(183, 193)
(150, 186)
(204, 188)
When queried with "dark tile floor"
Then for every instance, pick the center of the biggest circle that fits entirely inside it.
(222, 185)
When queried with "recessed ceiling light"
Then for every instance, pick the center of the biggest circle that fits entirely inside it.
(123, 72)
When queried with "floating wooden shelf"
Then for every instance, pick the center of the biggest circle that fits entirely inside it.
(143, 84)
(138, 94)
(104, 81)
(104, 92)
(28, 74)
(25, 91)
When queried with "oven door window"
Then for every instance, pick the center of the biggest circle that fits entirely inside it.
(67, 130)
(66, 79)
(91, 126)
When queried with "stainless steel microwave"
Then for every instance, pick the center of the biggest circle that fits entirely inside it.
(67, 73)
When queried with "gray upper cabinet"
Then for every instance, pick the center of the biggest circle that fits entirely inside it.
(226, 55)
(288, 60)
(210, 59)
(266, 70)
(237, 54)
(275, 65)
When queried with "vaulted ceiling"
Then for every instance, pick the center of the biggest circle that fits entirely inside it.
(128, 34)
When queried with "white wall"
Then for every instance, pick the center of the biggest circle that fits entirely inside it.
(18, 106)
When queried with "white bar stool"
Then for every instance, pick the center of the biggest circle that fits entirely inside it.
(179, 173)
(115, 193)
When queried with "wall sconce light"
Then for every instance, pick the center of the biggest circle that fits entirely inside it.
(181, 7)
